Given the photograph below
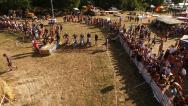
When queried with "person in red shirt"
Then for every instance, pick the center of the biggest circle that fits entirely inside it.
(35, 45)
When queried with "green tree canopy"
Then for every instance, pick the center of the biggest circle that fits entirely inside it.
(177, 1)
(157, 2)
(6, 5)
(69, 4)
(58, 4)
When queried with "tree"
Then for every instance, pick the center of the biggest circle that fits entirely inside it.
(58, 4)
(66, 4)
(41, 3)
(121, 4)
(69, 4)
(6, 5)
(177, 1)
(131, 4)
(157, 2)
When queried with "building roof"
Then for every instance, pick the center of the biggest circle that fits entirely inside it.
(169, 20)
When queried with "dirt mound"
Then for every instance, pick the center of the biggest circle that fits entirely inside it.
(6, 90)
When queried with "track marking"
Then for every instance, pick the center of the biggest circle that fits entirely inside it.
(115, 85)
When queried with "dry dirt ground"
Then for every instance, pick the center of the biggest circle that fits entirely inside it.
(73, 77)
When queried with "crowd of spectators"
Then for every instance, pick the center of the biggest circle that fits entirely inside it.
(178, 30)
(167, 68)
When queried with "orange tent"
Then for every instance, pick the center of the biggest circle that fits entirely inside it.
(158, 9)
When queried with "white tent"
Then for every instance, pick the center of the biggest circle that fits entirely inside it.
(76, 9)
(184, 41)
(184, 38)
(152, 6)
(113, 9)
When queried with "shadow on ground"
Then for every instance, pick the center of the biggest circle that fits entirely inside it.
(130, 78)
(141, 95)
(22, 55)
(25, 55)
(107, 89)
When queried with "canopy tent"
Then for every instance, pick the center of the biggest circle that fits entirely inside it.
(162, 7)
(184, 38)
(184, 41)
(75, 9)
(152, 6)
(169, 20)
(164, 23)
(183, 18)
(155, 15)
(113, 9)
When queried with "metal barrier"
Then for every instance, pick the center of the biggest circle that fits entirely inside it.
(160, 96)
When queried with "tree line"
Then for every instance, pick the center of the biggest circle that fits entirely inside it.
(69, 4)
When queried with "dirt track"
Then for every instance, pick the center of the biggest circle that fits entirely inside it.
(71, 77)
